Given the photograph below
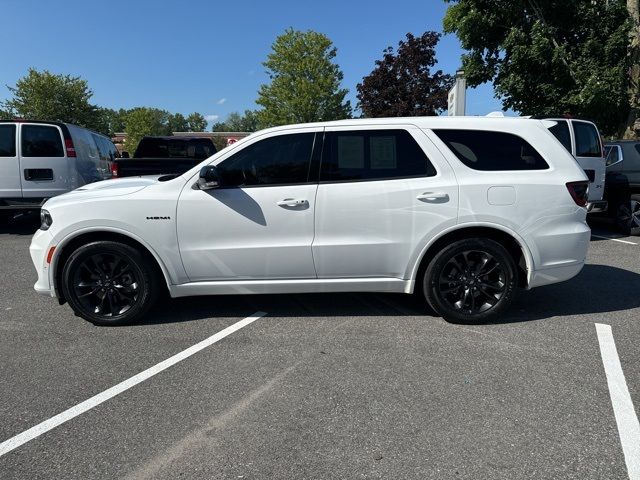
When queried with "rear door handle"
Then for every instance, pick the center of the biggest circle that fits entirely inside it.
(292, 202)
(434, 197)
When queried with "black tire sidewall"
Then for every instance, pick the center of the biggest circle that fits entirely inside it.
(432, 274)
(148, 286)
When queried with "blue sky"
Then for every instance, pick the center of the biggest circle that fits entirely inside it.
(204, 56)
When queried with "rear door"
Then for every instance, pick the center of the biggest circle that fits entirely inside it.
(10, 185)
(384, 191)
(589, 154)
(44, 167)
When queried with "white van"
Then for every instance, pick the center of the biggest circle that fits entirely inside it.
(39, 160)
(463, 210)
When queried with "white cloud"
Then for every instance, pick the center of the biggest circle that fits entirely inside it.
(221, 101)
(211, 118)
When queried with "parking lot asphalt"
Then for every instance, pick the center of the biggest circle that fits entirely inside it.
(323, 386)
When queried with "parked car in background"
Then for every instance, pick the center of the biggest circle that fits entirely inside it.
(582, 139)
(39, 160)
(623, 184)
(463, 210)
(164, 155)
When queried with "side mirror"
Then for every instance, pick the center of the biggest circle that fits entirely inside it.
(125, 154)
(209, 178)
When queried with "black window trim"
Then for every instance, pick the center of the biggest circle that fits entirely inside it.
(549, 167)
(368, 128)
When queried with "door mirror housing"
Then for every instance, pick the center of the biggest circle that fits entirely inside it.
(209, 178)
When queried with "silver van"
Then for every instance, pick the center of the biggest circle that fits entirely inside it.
(582, 139)
(39, 160)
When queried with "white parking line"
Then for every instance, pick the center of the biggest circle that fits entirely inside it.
(53, 422)
(626, 418)
(613, 239)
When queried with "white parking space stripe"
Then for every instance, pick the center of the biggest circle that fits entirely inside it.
(626, 418)
(53, 422)
(614, 239)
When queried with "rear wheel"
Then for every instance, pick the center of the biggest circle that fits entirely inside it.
(471, 281)
(109, 283)
(628, 216)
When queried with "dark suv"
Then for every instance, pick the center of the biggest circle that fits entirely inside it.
(622, 186)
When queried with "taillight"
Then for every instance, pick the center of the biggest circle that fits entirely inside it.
(71, 150)
(579, 191)
(115, 170)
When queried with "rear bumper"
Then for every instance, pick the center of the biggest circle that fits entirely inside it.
(597, 206)
(38, 251)
(552, 275)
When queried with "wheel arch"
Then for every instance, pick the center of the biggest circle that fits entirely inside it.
(71, 242)
(514, 244)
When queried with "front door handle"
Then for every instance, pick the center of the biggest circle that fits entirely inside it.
(434, 197)
(292, 203)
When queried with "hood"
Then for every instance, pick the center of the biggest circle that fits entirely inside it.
(107, 188)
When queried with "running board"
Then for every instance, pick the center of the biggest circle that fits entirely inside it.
(315, 285)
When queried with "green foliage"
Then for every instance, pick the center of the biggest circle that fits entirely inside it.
(236, 122)
(196, 122)
(47, 96)
(305, 83)
(548, 57)
(177, 123)
(143, 121)
(402, 84)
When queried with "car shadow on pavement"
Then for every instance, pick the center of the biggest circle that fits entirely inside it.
(597, 289)
(22, 225)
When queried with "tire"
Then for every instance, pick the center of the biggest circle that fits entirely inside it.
(471, 281)
(628, 216)
(109, 283)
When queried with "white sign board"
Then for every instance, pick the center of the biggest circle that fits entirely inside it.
(457, 97)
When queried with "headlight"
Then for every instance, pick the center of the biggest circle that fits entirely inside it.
(45, 219)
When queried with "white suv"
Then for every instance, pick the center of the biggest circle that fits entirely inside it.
(462, 210)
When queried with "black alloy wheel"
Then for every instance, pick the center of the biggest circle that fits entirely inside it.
(628, 216)
(109, 283)
(471, 281)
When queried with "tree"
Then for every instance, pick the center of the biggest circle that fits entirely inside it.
(402, 84)
(144, 121)
(196, 122)
(236, 122)
(47, 96)
(305, 83)
(177, 123)
(546, 57)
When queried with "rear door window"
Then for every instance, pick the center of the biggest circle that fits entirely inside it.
(561, 131)
(41, 141)
(373, 155)
(587, 140)
(7, 140)
(492, 151)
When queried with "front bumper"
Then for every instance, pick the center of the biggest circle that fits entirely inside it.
(40, 244)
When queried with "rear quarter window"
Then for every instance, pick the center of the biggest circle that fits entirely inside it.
(492, 151)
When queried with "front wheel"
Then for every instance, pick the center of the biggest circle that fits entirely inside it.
(471, 281)
(109, 283)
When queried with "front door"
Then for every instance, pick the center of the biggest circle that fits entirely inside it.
(259, 223)
(383, 193)
(10, 185)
